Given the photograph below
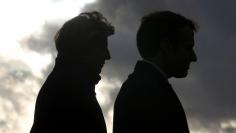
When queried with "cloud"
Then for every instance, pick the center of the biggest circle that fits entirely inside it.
(18, 88)
(208, 93)
(42, 41)
(26, 48)
(125, 16)
(106, 91)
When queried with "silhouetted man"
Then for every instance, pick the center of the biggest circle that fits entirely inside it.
(146, 102)
(66, 102)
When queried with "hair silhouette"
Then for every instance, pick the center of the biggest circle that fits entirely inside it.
(157, 27)
(83, 29)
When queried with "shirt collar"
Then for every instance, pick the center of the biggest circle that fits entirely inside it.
(157, 68)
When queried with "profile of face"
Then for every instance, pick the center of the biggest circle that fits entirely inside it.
(98, 53)
(183, 54)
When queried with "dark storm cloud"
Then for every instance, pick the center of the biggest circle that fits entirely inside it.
(125, 16)
(43, 42)
(209, 93)
(215, 69)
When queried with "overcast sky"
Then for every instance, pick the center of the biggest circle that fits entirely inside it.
(27, 55)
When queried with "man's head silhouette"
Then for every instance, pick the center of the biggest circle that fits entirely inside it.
(67, 100)
(84, 39)
(167, 39)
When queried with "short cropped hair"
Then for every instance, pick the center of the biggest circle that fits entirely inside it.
(77, 34)
(157, 27)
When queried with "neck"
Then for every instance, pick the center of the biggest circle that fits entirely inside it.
(161, 64)
(78, 68)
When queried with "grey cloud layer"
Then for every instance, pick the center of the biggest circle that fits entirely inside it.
(16, 91)
(43, 42)
(19, 86)
(209, 92)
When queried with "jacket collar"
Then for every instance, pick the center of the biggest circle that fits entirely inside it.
(152, 71)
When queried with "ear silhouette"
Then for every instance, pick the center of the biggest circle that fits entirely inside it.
(166, 47)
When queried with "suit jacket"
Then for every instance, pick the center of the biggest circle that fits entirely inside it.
(66, 103)
(147, 103)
